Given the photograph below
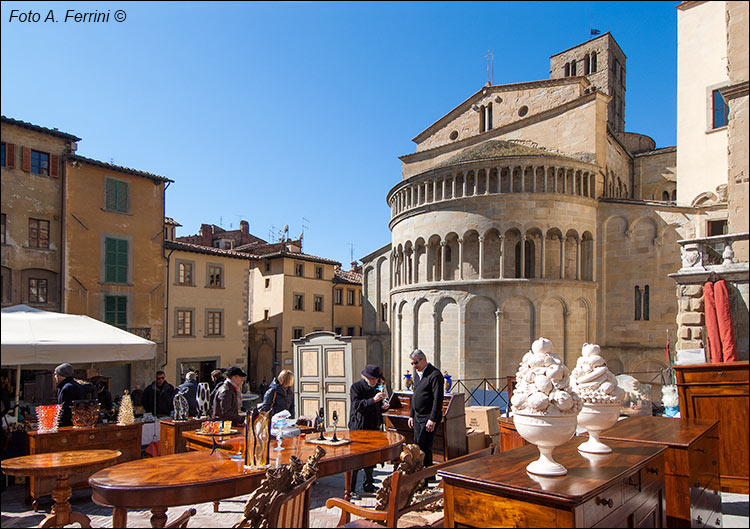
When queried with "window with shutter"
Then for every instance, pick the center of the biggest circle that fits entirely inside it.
(115, 260)
(116, 195)
(40, 163)
(116, 311)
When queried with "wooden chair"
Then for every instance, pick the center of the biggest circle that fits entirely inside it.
(291, 509)
(396, 508)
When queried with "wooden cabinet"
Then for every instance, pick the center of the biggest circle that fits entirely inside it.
(621, 489)
(170, 434)
(126, 439)
(450, 435)
(509, 436)
(691, 468)
(720, 392)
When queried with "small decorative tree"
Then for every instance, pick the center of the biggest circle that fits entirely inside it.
(125, 415)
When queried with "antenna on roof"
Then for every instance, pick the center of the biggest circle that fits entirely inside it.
(351, 252)
(305, 226)
(490, 67)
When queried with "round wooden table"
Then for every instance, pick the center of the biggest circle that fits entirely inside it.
(60, 465)
(198, 477)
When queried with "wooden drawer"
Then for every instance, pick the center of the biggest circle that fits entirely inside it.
(602, 505)
(715, 377)
(651, 473)
(704, 462)
(124, 434)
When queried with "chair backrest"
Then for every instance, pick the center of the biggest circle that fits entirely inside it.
(292, 509)
(402, 484)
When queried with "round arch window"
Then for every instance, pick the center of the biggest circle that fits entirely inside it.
(523, 111)
(454, 135)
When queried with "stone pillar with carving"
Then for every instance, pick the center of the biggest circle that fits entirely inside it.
(460, 258)
(481, 257)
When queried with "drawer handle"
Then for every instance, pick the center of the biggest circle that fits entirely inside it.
(714, 462)
(63, 440)
(631, 482)
(720, 373)
(92, 437)
(699, 519)
(700, 450)
(718, 522)
(654, 471)
(609, 503)
(119, 434)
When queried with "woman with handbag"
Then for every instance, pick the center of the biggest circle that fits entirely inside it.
(280, 395)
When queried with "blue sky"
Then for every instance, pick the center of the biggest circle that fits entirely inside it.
(272, 112)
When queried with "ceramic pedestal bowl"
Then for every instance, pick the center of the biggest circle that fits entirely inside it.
(597, 418)
(546, 432)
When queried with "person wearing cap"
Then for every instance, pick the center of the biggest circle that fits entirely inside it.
(426, 403)
(68, 390)
(280, 395)
(366, 413)
(228, 399)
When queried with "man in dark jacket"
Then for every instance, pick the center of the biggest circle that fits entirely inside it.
(280, 395)
(426, 403)
(366, 413)
(190, 390)
(228, 398)
(157, 397)
(68, 390)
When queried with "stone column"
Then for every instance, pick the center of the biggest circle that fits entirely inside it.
(498, 318)
(434, 188)
(442, 260)
(453, 187)
(481, 257)
(562, 257)
(533, 179)
(420, 194)
(398, 349)
(501, 275)
(578, 259)
(460, 258)
(543, 251)
(436, 339)
(523, 178)
(523, 256)
(487, 181)
(442, 194)
(465, 178)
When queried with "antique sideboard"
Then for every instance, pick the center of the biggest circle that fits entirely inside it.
(450, 434)
(621, 489)
(720, 392)
(126, 439)
(170, 434)
(691, 465)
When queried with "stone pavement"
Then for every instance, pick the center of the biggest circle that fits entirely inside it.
(16, 514)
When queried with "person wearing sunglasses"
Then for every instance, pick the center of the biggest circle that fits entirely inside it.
(426, 403)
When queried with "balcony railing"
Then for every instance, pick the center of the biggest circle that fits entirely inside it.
(707, 252)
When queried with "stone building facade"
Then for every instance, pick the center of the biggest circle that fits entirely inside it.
(526, 211)
(32, 213)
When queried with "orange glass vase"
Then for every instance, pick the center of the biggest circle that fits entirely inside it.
(48, 417)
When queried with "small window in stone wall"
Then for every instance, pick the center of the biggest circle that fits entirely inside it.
(641, 301)
(593, 62)
(523, 111)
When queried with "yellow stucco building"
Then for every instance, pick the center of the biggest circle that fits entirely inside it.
(207, 315)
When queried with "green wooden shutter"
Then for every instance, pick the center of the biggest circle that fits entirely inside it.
(110, 258)
(122, 261)
(116, 311)
(111, 194)
(122, 196)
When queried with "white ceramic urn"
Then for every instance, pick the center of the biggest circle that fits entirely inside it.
(595, 418)
(546, 432)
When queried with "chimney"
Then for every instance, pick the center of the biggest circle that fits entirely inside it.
(356, 267)
(245, 227)
(206, 235)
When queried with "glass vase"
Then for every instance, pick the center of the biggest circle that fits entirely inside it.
(48, 417)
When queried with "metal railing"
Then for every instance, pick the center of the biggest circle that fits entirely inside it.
(483, 391)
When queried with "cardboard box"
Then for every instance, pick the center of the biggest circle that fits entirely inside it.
(483, 418)
(474, 440)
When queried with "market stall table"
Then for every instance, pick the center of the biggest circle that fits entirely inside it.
(199, 476)
(61, 465)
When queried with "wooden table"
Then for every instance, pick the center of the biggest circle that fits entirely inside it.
(126, 439)
(721, 392)
(61, 465)
(198, 477)
(621, 489)
(691, 464)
